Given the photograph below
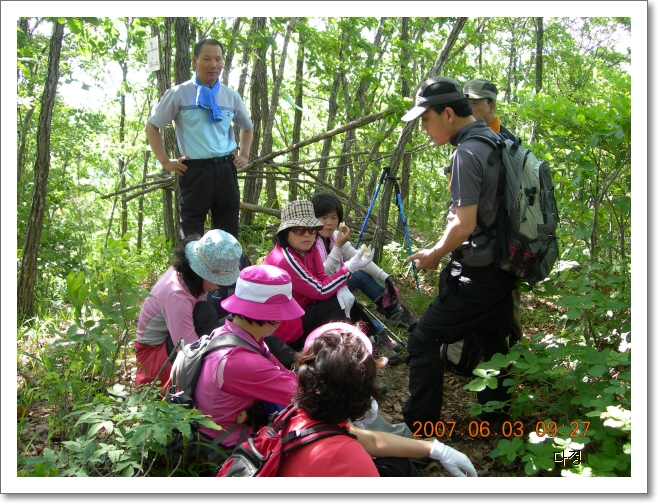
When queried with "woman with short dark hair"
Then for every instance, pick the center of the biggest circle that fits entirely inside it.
(336, 385)
(175, 309)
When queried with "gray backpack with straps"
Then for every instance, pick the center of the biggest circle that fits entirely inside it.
(525, 230)
(199, 451)
(187, 365)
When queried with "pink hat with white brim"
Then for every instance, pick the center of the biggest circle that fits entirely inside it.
(263, 292)
(340, 327)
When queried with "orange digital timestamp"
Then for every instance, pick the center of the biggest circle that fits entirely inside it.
(475, 429)
(550, 428)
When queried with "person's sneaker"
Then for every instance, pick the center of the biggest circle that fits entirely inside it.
(400, 316)
(382, 340)
(390, 356)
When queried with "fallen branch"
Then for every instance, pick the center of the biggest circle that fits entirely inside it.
(166, 185)
(169, 179)
(341, 129)
(257, 208)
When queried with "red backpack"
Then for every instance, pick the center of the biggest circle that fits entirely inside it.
(261, 454)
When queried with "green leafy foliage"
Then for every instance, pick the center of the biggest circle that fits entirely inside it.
(576, 367)
(571, 394)
(117, 435)
(105, 304)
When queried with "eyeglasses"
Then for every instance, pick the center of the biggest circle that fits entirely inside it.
(300, 230)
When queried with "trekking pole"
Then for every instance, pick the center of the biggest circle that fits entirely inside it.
(372, 204)
(390, 333)
(398, 201)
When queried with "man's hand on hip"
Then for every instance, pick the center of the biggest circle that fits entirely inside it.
(240, 160)
(176, 166)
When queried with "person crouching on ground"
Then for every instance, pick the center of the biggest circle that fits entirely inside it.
(176, 310)
(232, 380)
(323, 297)
(336, 383)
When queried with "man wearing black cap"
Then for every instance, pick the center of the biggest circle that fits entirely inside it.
(483, 95)
(475, 297)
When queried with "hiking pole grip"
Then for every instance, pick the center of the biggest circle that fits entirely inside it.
(243, 416)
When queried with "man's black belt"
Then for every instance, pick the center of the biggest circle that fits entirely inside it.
(198, 162)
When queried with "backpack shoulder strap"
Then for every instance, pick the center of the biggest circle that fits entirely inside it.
(297, 439)
(283, 416)
(498, 146)
(228, 340)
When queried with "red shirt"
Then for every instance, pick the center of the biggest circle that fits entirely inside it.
(333, 456)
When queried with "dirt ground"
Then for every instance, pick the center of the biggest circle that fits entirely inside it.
(455, 409)
(456, 402)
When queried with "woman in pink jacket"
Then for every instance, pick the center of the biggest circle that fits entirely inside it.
(239, 379)
(324, 298)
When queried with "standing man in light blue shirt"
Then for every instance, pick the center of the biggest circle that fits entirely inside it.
(202, 110)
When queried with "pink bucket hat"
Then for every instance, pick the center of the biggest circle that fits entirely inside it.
(341, 327)
(263, 292)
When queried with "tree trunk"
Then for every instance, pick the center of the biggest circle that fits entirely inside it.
(539, 62)
(28, 273)
(122, 137)
(182, 66)
(23, 26)
(169, 215)
(511, 65)
(183, 61)
(270, 184)
(405, 88)
(140, 211)
(405, 137)
(331, 121)
(258, 99)
(230, 51)
(339, 174)
(350, 138)
(22, 132)
(246, 54)
(293, 186)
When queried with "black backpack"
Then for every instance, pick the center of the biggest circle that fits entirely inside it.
(260, 455)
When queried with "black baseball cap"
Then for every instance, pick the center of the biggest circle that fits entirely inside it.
(434, 91)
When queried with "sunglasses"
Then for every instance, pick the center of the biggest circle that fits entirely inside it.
(300, 230)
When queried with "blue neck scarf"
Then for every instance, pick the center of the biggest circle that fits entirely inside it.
(205, 98)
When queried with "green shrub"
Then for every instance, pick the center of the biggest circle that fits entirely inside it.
(116, 435)
(568, 396)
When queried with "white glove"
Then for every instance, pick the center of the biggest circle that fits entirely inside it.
(369, 417)
(455, 462)
(345, 300)
(359, 261)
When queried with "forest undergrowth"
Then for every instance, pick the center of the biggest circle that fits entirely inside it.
(79, 414)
